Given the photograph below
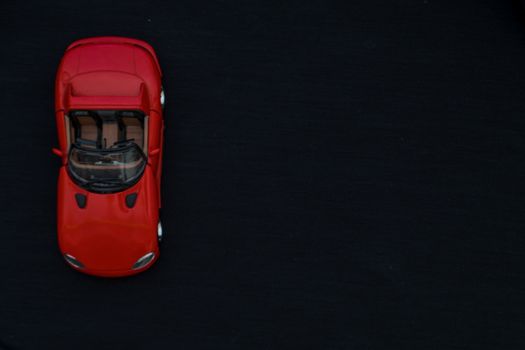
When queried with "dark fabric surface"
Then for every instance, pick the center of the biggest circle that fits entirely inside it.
(337, 176)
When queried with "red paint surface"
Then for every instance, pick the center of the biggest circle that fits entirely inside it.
(106, 235)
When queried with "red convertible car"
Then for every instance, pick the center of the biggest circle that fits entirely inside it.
(109, 114)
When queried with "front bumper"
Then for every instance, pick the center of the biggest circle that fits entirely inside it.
(115, 273)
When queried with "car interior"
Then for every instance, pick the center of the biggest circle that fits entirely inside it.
(107, 129)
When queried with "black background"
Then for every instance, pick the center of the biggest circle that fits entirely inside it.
(337, 176)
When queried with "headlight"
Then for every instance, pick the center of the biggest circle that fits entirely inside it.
(73, 261)
(143, 261)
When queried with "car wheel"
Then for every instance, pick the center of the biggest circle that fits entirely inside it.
(162, 98)
(159, 232)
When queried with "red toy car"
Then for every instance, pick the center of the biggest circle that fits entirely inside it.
(109, 113)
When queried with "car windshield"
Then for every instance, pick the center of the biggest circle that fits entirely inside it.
(106, 170)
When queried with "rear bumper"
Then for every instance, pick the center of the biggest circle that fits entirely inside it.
(117, 40)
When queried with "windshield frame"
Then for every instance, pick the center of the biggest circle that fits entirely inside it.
(106, 186)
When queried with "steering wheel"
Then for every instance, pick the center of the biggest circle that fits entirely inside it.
(122, 143)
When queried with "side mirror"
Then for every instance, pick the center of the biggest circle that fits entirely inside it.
(58, 152)
(154, 152)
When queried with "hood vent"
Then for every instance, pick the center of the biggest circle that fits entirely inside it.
(81, 200)
(131, 199)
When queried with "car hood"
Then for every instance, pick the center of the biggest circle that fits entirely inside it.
(107, 235)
